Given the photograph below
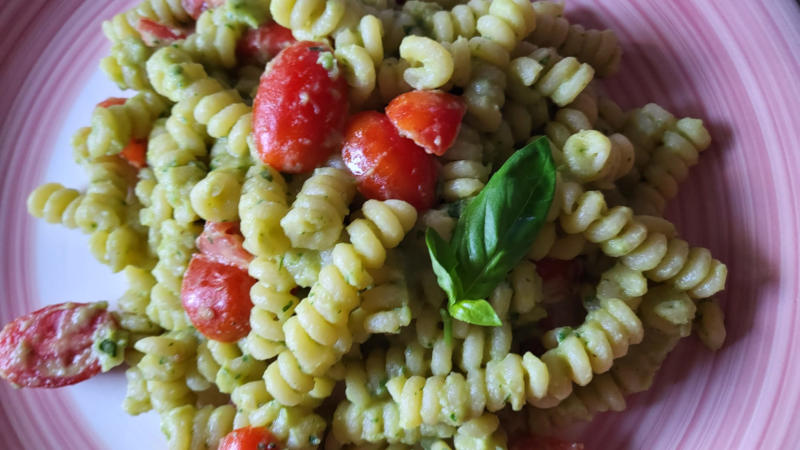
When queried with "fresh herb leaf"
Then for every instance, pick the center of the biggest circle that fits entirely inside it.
(444, 263)
(497, 227)
(478, 312)
(494, 232)
(108, 347)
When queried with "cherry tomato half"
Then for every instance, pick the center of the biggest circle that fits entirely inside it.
(429, 118)
(300, 109)
(53, 347)
(386, 164)
(216, 297)
(222, 241)
(249, 438)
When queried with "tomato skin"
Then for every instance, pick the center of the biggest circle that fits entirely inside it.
(263, 43)
(52, 347)
(135, 153)
(222, 242)
(430, 118)
(112, 101)
(216, 297)
(249, 438)
(300, 109)
(550, 268)
(531, 442)
(386, 164)
(196, 7)
(154, 33)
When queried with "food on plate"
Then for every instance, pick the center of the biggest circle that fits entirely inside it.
(360, 224)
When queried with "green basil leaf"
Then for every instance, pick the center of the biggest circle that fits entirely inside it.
(497, 228)
(479, 312)
(444, 264)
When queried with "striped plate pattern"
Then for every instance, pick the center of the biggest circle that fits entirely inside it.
(734, 64)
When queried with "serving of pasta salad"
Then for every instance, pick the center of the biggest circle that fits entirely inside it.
(372, 224)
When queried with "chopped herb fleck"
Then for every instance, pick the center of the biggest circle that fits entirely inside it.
(108, 347)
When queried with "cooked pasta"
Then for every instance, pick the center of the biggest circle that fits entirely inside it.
(316, 217)
(318, 305)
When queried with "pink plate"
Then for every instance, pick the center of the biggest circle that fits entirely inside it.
(735, 64)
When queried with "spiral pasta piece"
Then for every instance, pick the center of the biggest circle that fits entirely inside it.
(710, 324)
(133, 303)
(120, 247)
(216, 34)
(430, 64)
(177, 164)
(299, 427)
(167, 362)
(167, 12)
(460, 21)
(125, 64)
(668, 317)
(385, 307)
(174, 252)
(485, 96)
(515, 380)
(215, 198)
(231, 367)
(464, 174)
(317, 335)
(669, 165)
(188, 428)
(482, 433)
(202, 99)
(113, 127)
(377, 423)
(592, 156)
(315, 220)
(599, 48)
(104, 206)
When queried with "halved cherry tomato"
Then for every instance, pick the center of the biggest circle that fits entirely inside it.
(249, 438)
(112, 101)
(386, 164)
(216, 297)
(300, 109)
(154, 33)
(429, 118)
(136, 153)
(263, 43)
(222, 241)
(53, 347)
(196, 7)
(531, 442)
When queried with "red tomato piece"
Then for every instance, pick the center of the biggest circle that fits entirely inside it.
(249, 438)
(300, 109)
(386, 164)
(196, 7)
(429, 118)
(550, 268)
(263, 43)
(154, 33)
(112, 101)
(135, 153)
(216, 296)
(222, 241)
(558, 279)
(53, 347)
(532, 442)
